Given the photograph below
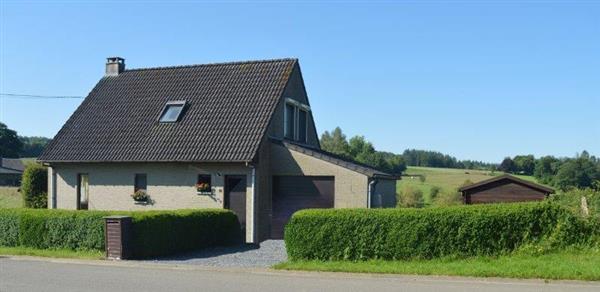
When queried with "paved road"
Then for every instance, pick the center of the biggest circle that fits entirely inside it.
(19, 274)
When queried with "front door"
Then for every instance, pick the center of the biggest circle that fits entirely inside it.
(235, 197)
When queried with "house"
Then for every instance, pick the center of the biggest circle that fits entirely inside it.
(237, 135)
(504, 189)
(11, 170)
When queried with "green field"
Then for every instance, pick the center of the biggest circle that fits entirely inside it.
(448, 179)
(10, 197)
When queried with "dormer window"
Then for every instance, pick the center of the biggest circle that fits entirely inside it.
(171, 111)
(295, 120)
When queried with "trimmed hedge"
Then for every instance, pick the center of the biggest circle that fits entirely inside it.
(360, 234)
(155, 233)
(34, 186)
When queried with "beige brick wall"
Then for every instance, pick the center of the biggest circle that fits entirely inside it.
(350, 186)
(170, 186)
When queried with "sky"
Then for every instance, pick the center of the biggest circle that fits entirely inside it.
(478, 80)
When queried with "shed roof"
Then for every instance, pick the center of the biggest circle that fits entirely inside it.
(12, 164)
(228, 108)
(509, 178)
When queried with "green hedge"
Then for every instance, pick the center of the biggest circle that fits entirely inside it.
(34, 186)
(155, 233)
(360, 234)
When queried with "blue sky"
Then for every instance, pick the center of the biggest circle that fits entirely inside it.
(477, 80)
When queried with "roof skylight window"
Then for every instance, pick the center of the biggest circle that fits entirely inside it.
(171, 112)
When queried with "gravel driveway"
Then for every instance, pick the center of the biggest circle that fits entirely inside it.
(269, 252)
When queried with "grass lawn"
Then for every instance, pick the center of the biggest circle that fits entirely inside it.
(52, 253)
(10, 198)
(565, 265)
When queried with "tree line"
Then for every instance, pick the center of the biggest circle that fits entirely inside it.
(426, 158)
(14, 146)
(363, 151)
(581, 171)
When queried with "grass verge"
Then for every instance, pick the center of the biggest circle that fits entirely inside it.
(52, 253)
(573, 264)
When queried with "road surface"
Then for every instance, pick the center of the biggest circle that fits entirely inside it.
(31, 274)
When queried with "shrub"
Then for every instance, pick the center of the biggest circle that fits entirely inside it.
(434, 192)
(34, 186)
(154, 232)
(572, 200)
(140, 196)
(391, 234)
(410, 197)
(448, 198)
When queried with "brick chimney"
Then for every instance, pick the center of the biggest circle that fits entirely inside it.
(114, 66)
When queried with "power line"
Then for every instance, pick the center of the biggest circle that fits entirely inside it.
(16, 95)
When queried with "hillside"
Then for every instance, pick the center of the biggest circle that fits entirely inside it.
(445, 178)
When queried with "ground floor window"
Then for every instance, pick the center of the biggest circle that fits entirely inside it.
(203, 184)
(83, 191)
(140, 182)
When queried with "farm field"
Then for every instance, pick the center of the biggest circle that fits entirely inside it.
(448, 179)
(10, 197)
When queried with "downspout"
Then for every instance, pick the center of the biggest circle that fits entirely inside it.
(254, 203)
(370, 192)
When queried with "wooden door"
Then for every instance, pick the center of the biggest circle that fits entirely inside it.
(235, 197)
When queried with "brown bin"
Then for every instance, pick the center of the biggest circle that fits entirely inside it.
(117, 237)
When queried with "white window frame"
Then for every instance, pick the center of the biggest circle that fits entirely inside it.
(168, 104)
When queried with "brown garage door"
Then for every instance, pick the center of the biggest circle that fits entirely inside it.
(292, 193)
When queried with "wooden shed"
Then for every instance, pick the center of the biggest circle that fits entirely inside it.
(504, 189)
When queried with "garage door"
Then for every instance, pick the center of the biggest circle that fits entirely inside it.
(292, 193)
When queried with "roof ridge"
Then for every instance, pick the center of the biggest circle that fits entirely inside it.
(513, 178)
(213, 64)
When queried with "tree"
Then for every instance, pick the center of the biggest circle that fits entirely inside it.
(396, 164)
(546, 168)
(359, 145)
(580, 172)
(33, 146)
(524, 164)
(10, 145)
(507, 165)
(335, 142)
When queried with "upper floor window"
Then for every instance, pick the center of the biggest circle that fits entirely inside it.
(171, 111)
(290, 118)
(295, 120)
(302, 121)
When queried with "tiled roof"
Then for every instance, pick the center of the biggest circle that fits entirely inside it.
(337, 160)
(228, 108)
(13, 164)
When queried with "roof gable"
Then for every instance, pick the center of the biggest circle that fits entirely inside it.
(507, 178)
(228, 108)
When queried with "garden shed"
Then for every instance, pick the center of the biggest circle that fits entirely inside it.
(504, 189)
